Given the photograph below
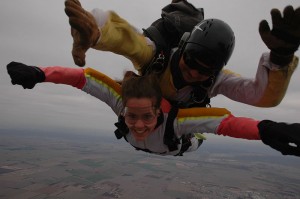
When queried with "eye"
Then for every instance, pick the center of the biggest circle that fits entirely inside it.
(187, 59)
(148, 117)
(131, 116)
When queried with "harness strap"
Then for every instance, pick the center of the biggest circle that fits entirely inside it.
(153, 33)
(122, 129)
(170, 139)
(161, 57)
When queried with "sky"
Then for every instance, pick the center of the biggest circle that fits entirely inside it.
(37, 32)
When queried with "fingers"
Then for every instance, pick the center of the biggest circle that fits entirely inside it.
(78, 17)
(80, 46)
(83, 27)
(284, 35)
(79, 56)
(276, 17)
(288, 14)
(72, 5)
(264, 27)
(297, 15)
(84, 30)
(265, 32)
(16, 76)
(292, 150)
(284, 147)
(13, 69)
(74, 11)
(296, 20)
(78, 53)
(13, 64)
(80, 21)
(288, 18)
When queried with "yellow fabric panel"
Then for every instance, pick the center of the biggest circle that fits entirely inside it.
(277, 85)
(202, 112)
(226, 71)
(166, 84)
(119, 37)
(105, 79)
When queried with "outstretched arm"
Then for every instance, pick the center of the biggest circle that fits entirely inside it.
(266, 89)
(275, 69)
(217, 121)
(89, 80)
(28, 76)
(105, 31)
(282, 137)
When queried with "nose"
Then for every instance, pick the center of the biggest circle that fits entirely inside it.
(194, 73)
(139, 123)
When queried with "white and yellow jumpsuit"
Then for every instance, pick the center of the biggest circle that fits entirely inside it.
(217, 121)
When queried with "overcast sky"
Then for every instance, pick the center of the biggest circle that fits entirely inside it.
(36, 32)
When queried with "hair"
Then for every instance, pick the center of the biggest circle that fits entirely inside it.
(147, 86)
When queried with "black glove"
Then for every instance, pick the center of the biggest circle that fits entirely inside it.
(282, 137)
(26, 76)
(284, 38)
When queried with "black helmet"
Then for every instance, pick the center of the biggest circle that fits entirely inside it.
(211, 42)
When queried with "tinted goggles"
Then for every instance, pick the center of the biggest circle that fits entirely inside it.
(202, 60)
(132, 117)
(192, 63)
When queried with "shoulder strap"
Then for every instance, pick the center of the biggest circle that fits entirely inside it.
(170, 138)
(161, 57)
(122, 130)
(154, 34)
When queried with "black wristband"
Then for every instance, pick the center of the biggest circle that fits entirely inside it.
(281, 60)
(39, 74)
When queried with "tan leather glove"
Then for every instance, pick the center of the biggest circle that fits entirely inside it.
(284, 38)
(84, 30)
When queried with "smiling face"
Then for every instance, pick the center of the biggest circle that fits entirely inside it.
(140, 116)
(141, 98)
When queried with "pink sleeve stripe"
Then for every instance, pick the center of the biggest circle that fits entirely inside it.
(64, 75)
(239, 127)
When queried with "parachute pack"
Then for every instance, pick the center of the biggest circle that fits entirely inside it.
(167, 32)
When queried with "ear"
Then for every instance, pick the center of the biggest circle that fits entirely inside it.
(158, 112)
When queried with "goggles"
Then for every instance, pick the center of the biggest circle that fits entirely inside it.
(147, 118)
(198, 58)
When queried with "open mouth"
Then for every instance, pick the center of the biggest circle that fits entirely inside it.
(140, 131)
